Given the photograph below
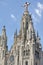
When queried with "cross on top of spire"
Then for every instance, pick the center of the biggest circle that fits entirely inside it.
(26, 6)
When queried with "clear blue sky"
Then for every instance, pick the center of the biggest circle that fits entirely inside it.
(11, 13)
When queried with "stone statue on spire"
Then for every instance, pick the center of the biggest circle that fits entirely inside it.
(26, 6)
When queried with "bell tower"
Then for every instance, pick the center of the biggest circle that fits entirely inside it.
(31, 47)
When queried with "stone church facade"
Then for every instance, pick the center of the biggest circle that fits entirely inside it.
(26, 49)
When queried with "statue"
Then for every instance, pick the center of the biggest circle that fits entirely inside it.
(26, 6)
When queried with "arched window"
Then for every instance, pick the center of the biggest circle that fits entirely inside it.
(26, 63)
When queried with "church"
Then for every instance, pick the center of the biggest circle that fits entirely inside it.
(26, 49)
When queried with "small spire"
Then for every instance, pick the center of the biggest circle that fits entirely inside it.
(37, 34)
(3, 31)
(15, 35)
(3, 28)
(4, 37)
(16, 32)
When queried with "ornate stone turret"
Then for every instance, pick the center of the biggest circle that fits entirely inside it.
(38, 38)
(4, 32)
(3, 47)
(38, 41)
(4, 37)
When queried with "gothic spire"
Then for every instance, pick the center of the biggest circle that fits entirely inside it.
(15, 36)
(3, 32)
(4, 37)
(38, 36)
(25, 20)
